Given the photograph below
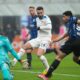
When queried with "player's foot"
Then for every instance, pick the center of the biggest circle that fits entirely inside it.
(44, 72)
(25, 65)
(43, 77)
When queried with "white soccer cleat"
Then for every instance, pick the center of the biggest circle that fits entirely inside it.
(25, 64)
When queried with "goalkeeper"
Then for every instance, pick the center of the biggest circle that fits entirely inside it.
(6, 47)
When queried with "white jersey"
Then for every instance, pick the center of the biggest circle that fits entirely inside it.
(45, 27)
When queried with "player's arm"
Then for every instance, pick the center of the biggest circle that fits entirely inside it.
(46, 25)
(60, 38)
(12, 51)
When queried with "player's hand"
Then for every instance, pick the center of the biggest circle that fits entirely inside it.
(38, 28)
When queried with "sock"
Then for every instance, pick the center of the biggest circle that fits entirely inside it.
(78, 62)
(49, 50)
(20, 54)
(54, 65)
(29, 58)
(44, 61)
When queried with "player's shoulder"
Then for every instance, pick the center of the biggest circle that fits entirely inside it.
(5, 38)
(45, 17)
(73, 18)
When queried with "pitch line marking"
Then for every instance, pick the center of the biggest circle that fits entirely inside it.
(32, 72)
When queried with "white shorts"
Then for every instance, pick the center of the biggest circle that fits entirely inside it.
(40, 43)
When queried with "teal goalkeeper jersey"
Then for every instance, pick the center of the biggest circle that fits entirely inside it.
(6, 47)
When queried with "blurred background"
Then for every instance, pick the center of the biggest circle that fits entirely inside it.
(12, 10)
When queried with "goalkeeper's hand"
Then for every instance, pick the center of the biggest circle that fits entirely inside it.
(21, 61)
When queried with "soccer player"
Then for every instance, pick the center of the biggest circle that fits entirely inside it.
(6, 47)
(72, 45)
(33, 31)
(31, 25)
(43, 38)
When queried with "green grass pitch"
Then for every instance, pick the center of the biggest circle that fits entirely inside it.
(68, 70)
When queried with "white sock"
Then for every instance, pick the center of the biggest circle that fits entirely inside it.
(20, 54)
(44, 61)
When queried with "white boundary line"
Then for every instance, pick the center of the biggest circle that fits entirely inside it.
(60, 74)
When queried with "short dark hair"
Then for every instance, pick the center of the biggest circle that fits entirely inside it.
(32, 7)
(68, 13)
(39, 8)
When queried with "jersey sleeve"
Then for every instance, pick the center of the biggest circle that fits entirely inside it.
(10, 49)
(75, 20)
(7, 44)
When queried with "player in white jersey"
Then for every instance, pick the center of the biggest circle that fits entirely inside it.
(43, 39)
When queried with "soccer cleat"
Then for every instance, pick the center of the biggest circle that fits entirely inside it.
(44, 72)
(43, 77)
(25, 64)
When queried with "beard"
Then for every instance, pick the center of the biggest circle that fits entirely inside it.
(40, 17)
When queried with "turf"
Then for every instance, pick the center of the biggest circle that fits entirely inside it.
(68, 70)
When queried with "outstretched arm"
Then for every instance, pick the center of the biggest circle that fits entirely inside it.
(11, 50)
(60, 38)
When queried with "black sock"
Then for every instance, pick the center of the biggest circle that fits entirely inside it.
(53, 66)
(29, 58)
(78, 62)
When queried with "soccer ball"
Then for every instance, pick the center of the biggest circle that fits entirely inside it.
(25, 65)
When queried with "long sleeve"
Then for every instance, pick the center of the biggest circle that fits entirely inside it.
(10, 49)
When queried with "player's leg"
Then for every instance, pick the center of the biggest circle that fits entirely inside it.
(29, 57)
(34, 43)
(76, 56)
(76, 50)
(6, 72)
(41, 50)
(56, 62)
(61, 53)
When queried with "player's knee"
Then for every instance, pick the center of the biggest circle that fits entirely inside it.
(29, 51)
(27, 45)
(38, 55)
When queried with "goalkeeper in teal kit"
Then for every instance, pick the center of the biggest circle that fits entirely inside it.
(6, 47)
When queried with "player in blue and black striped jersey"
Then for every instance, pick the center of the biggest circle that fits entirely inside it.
(72, 45)
(32, 29)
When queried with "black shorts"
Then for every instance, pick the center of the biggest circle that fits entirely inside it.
(71, 46)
